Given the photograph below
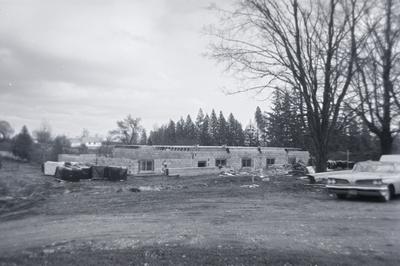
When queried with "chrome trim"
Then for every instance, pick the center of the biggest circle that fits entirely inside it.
(377, 188)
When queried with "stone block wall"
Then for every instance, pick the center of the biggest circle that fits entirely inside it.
(83, 158)
(188, 158)
(194, 171)
(300, 155)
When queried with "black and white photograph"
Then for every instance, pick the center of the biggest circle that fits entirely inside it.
(199, 132)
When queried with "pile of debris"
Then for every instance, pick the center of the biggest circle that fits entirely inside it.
(331, 164)
(156, 188)
(74, 172)
(260, 173)
(111, 173)
(250, 186)
(298, 169)
(275, 170)
(229, 172)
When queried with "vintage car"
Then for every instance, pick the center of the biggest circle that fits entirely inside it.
(370, 178)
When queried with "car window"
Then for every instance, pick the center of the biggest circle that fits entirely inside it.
(368, 166)
(377, 167)
(386, 168)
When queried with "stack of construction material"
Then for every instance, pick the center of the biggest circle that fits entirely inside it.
(67, 174)
(85, 172)
(73, 173)
(49, 168)
(97, 172)
(111, 173)
(116, 173)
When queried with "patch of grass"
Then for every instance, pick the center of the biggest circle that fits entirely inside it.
(21, 186)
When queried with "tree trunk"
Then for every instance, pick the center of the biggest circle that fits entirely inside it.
(386, 141)
(321, 153)
(321, 161)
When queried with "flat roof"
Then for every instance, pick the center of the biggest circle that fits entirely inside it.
(197, 147)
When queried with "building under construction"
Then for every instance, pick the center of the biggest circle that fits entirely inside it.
(192, 160)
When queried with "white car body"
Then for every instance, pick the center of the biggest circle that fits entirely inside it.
(370, 178)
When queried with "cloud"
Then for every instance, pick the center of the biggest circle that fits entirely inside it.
(21, 63)
(89, 63)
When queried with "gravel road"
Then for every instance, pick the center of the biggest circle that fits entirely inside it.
(188, 221)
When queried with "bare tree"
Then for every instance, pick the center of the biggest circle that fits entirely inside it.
(376, 86)
(5, 130)
(309, 45)
(128, 130)
(44, 138)
(43, 134)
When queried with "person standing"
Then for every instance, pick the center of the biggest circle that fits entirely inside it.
(165, 168)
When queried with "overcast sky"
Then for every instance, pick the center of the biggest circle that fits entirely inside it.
(86, 64)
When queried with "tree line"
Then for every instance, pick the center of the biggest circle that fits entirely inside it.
(206, 130)
(22, 145)
(282, 126)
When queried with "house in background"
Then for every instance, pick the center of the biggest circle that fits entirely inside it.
(89, 142)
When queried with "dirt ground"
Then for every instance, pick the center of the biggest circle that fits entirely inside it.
(208, 220)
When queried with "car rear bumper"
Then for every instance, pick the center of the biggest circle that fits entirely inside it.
(358, 190)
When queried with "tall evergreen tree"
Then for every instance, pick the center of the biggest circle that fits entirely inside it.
(170, 134)
(200, 118)
(143, 137)
(213, 128)
(261, 126)
(190, 131)
(274, 126)
(230, 134)
(153, 137)
(259, 118)
(180, 131)
(297, 129)
(22, 146)
(199, 123)
(284, 127)
(162, 135)
(251, 136)
(222, 130)
(204, 136)
(355, 138)
(159, 136)
(238, 134)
